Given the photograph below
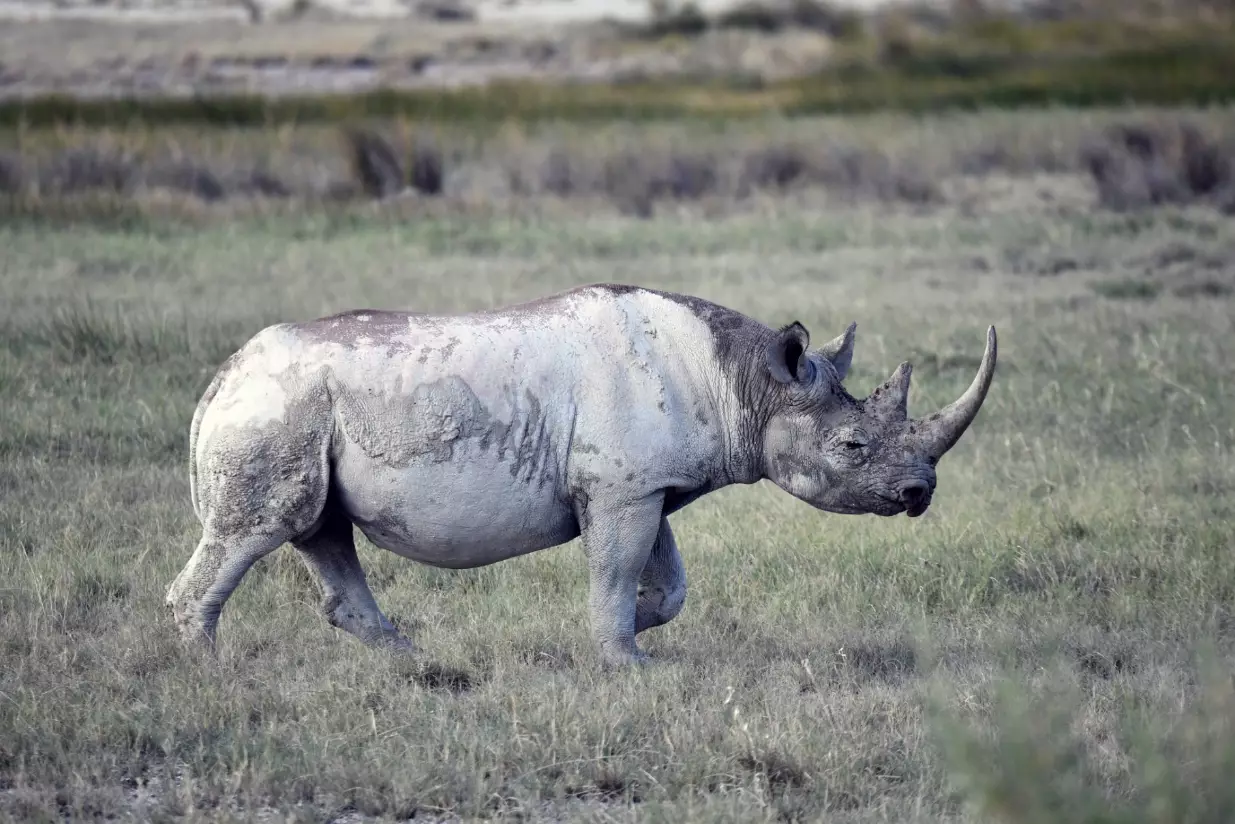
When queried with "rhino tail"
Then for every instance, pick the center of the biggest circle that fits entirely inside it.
(195, 426)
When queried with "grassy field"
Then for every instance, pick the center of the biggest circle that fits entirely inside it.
(1053, 641)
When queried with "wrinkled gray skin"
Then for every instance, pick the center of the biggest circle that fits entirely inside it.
(462, 441)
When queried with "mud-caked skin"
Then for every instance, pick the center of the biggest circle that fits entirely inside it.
(460, 441)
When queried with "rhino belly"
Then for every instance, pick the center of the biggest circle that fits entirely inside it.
(458, 513)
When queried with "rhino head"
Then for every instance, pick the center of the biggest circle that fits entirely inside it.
(851, 456)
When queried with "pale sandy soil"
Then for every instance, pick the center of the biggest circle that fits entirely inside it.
(519, 11)
(100, 58)
(185, 48)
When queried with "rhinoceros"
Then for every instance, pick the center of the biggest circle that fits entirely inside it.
(460, 441)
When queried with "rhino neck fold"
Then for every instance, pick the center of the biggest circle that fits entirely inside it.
(746, 415)
(731, 374)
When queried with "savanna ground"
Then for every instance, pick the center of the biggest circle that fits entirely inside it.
(1053, 641)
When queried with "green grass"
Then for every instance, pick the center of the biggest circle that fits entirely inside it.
(848, 668)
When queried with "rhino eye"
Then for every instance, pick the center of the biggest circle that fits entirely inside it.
(851, 441)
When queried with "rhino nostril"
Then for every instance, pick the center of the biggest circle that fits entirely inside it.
(914, 492)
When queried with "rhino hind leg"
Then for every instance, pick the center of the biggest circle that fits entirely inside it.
(662, 585)
(347, 600)
(197, 596)
(257, 488)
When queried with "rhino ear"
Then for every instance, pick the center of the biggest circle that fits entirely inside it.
(787, 354)
(840, 351)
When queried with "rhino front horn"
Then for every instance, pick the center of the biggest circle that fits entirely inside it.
(941, 431)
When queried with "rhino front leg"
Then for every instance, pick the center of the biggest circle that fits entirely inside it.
(662, 586)
(618, 539)
(347, 601)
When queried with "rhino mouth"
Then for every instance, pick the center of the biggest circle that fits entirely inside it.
(896, 507)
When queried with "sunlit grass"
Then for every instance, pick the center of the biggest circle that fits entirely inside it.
(825, 666)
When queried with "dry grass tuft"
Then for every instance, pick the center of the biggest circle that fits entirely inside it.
(90, 169)
(636, 180)
(1169, 162)
(12, 174)
(427, 168)
(848, 171)
(776, 167)
(190, 178)
(261, 182)
(375, 163)
(381, 171)
(1136, 166)
(835, 21)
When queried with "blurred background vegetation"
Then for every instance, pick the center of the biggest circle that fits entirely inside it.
(790, 57)
(331, 111)
(334, 111)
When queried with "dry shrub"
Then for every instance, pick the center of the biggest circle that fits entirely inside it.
(1016, 158)
(677, 175)
(872, 174)
(686, 19)
(445, 11)
(673, 20)
(375, 163)
(12, 175)
(775, 167)
(634, 180)
(427, 176)
(771, 17)
(89, 169)
(189, 178)
(381, 172)
(80, 171)
(560, 173)
(638, 179)
(1137, 166)
(99, 171)
(634, 177)
(264, 183)
(846, 171)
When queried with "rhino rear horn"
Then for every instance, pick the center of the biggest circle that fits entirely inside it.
(891, 400)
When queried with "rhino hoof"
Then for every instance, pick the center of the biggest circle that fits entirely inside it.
(622, 660)
(400, 646)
